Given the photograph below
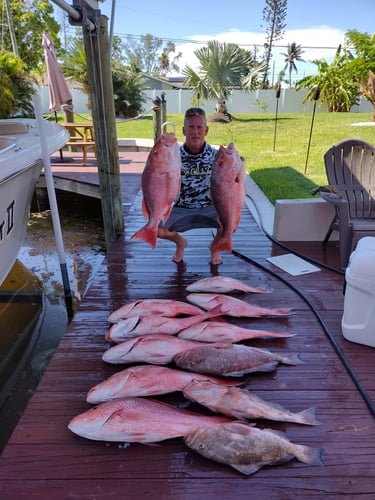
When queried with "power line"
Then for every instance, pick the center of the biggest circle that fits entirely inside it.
(203, 42)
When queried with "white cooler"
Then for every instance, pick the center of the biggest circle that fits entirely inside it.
(358, 320)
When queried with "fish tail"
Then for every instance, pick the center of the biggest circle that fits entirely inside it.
(310, 456)
(281, 312)
(147, 235)
(309, 417)
(291, 359)
(223, 244)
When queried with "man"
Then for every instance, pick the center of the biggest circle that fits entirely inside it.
(194, 207)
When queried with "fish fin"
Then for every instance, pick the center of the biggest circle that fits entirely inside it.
(167, 213)
(309, 417)
(265, 367)
(147, 235)
(311, 456)
(217, 311)
(291, 359)
(281, 312)
(145, 210)
(247, 469)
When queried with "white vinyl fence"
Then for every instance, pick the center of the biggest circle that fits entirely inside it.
(259, 101)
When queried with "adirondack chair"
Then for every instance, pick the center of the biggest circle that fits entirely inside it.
(350, 169)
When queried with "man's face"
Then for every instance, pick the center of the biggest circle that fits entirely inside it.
(195, 130)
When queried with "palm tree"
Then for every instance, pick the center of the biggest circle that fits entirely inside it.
(75, 66)
(294, 54)
(336, 81)
(222, 68)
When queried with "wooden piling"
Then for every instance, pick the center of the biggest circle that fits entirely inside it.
(103, 113)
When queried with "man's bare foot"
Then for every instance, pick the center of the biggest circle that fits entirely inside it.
(181, 244)
(216, 259)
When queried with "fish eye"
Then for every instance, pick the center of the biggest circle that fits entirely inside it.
(201, 446)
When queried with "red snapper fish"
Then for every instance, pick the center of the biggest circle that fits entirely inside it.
(156, 349)
(150, 325)
(242, 404)
(161, 180)
(146, 380)
(221, 331)
(228, 195)
(231, 360)
(233, 306)
(247, 448)
(138, 420)
(151, 307)
(222, 284)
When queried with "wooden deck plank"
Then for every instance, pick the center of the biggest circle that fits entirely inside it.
(54, 463)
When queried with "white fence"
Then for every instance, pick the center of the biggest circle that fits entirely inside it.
(259, 101)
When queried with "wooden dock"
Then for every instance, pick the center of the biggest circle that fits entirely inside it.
(43, 459)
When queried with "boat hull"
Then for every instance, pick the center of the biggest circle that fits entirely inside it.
(20, 166)
(15, 194)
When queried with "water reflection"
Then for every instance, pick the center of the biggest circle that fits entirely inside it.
(33, 314)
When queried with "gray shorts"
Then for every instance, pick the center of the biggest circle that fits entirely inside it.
(183, 219)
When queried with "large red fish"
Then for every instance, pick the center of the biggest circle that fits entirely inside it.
(147, 325)
(157, 349)
(221, 331)
(138, 420)
(228, 195)
(150, 307)
(231, 306)
(222, 284)
(242, 404)
(161, 180)
(146, 380)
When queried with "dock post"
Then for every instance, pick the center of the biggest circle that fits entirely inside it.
(157, 118)
(104, 119)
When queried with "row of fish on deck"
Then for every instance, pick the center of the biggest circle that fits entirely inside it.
(193, 347)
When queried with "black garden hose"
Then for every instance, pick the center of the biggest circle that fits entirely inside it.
(325, 327)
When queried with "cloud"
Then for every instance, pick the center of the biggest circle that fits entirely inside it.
(317, 42)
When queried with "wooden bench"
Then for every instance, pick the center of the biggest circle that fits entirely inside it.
(78, 142)
(81, 136)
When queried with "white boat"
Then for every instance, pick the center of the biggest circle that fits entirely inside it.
(20, 166)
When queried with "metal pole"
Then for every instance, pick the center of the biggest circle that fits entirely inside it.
(278, 92)
(316, 97)
(111, 28)
(52, 199)
(11, 29)
(74, 14)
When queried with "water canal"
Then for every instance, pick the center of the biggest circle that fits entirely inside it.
(33, 309)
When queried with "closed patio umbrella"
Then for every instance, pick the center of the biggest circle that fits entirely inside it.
(59, 92)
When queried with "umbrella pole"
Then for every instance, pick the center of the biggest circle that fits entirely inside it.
(53, 203)
(61, 152)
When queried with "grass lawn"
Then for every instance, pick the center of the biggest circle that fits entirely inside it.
(280, 173)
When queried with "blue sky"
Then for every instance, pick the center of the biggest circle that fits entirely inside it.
(317, 25)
